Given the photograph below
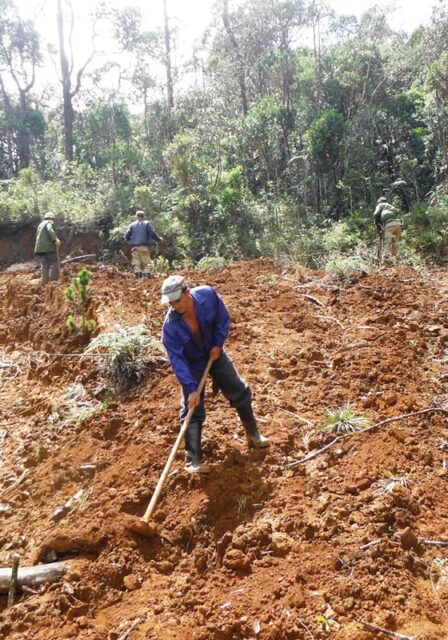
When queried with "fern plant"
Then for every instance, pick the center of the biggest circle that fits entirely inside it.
(129, 352)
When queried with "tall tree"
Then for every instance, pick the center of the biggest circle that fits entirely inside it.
(71, 81)
(168, 61)
(19, 58)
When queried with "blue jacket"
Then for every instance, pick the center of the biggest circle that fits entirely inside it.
(184, 353)
(140, 232)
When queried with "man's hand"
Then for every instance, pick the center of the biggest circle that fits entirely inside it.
(194, 399)
(58, 242)
(215, 353)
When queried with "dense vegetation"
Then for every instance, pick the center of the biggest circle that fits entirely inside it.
(275, 138)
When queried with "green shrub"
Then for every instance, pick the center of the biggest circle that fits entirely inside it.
(212, 264)
(129, 353)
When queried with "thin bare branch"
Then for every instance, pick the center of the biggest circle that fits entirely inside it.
(404, 416)
(314, 454)
(303, 625)
(392, 634)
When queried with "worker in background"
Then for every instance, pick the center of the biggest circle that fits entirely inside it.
(139, 234)
(389, 228)
(47, 247)
(194, 330)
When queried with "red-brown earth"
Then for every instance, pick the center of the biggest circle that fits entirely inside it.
(259, 549)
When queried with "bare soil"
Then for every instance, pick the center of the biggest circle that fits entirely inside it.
(262, 548)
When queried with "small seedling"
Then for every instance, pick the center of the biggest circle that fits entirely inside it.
(388, 482)
(306, 439)
(241, 501)
(161, 265)
(326, 623)
(344, 421)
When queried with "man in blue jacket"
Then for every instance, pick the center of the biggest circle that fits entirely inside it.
(195, 328)
(139, 234)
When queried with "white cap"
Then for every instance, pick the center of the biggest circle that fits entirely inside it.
(172, 288)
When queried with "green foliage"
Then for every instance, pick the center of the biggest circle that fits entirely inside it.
(129, 352)
(344, 420)
(161, 265)
(78, 296)
(212, 264)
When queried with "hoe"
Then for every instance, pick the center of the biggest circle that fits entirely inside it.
(143, 526)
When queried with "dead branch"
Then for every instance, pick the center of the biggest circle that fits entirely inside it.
(433, 543)
(314, 454)
(436, 595)
(374, 543)
(295, 415)
(331, 318)
(392, 634)
(303, 625)
(33, 576)
(362, 344)
(124, 635)
(314, 300)
(16, 483)
(13, 580)
(87, 255)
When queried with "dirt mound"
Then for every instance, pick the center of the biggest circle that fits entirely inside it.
(326, 533)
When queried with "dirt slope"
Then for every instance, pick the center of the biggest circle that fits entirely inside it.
(260, 549)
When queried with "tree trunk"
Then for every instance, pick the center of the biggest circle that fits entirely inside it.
(66, 87)
(168, 64)
(23, 139)
(9, 164)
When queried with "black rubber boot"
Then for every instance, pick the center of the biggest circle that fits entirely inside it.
(148, 275)
(193, 449)
(138, 274)
(254, 437)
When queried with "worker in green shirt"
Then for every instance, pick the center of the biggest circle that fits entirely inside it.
(46, 247)
(389, 227)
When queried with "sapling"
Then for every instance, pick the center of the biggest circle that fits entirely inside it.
(78, 296)
(326, 623)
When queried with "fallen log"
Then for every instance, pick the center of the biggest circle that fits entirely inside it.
(33, 576)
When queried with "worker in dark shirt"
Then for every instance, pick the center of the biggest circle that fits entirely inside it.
(139, 234)
(194, 330)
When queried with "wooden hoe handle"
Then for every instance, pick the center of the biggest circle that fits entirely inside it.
(155, 496)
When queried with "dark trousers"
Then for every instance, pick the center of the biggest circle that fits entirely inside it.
(225, 375)
(49, 266)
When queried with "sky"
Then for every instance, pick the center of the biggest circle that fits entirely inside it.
(191, 18)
